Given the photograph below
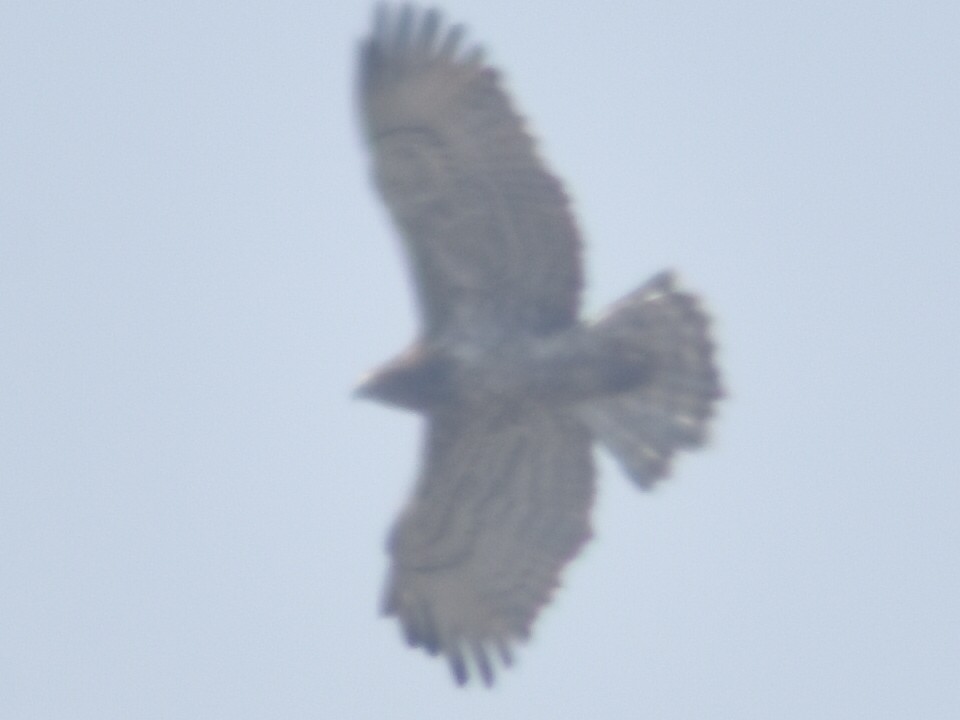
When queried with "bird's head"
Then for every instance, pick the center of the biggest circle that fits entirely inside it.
(417, 380)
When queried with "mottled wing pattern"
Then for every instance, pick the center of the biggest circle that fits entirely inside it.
(493, 246)
(502, 505)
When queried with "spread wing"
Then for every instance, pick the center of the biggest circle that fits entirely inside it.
(493, 247)
(502, 505)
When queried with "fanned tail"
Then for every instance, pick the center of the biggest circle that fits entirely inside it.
(670, 408)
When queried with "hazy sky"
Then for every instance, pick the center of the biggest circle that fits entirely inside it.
(194, 271)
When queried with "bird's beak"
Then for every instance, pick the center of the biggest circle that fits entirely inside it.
(360, 392)
(363, 390)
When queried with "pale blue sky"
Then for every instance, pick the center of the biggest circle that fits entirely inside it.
(194, 270)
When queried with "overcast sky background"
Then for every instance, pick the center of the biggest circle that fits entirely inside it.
(194, 271)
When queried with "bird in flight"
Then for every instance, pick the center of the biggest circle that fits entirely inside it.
(514, 388)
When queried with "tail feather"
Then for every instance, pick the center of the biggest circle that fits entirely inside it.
(643, 426)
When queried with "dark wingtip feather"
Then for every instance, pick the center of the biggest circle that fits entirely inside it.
(428, 30)
(483, 664)
(506, 655)
(399, 32)
(458, 665)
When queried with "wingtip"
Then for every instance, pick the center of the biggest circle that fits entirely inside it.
(458, 666)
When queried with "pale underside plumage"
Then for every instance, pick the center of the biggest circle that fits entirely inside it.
(513, 388)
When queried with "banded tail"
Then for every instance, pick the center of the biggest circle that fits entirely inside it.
(670, 409)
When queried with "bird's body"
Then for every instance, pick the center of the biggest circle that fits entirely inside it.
(515, 389)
